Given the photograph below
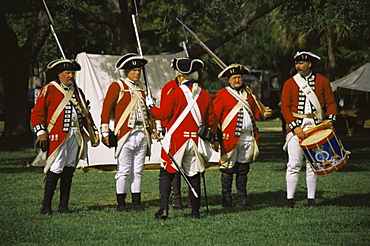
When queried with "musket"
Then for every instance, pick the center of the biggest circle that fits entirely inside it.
(86, 112)
(178, 167)
(51, 24)
(149, 94)
(141, 54)
(261, 107)
(185, 42)
(215, 58)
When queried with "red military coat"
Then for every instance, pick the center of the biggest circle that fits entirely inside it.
(223, 103)
(112, 105)
(290, 99)
(171, 110)
(166, 90)
(49, 99)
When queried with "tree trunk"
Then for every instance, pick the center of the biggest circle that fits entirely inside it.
(330, 62)
(14, 73)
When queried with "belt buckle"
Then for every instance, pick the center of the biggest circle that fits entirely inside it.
(139, 123)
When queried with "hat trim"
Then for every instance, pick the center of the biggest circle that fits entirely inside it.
(191, 65)
(134, 57)
(234, 65)
(52, 64)
(299, 53)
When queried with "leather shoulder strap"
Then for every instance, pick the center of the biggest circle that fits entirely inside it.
(306, 89)
(61, 106)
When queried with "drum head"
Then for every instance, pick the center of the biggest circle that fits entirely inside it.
(316, 137)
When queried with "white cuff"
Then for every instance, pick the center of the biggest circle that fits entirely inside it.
(40, 132)
(158, 125)
(104, 128)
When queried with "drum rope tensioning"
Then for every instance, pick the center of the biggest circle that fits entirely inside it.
(323, 150)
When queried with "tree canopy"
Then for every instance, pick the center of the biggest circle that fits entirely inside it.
(262, 34)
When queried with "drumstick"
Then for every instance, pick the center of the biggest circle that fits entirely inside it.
(326, 124)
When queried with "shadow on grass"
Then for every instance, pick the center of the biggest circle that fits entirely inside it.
(351, 200)
(101, 207)
(259, 201)
(19, 167)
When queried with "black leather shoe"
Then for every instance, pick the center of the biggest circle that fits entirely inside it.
(242, 202)
(46, 211)
(195, 216)
(121, 208)
(312, 203)
(161, 214)
(64, 210)
(289, 203)
(138, 207)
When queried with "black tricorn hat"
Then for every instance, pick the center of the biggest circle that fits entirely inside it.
(61, 65)
(130, 61)
(186, 65)
(305, 56)
(232, 70)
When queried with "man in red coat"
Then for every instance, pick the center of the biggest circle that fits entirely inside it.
(176, 182)
(236, 111)
(302, 110)
(186, 109)
(59, 118)
(125, 99)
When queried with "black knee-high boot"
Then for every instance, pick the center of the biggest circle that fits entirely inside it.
(50, 185)
(121, 202)
(164, 189)
(136, 202)
(195, 201)
(176, 192)
(241, 188)
(65, 189)
(241, 184)
(226, 182)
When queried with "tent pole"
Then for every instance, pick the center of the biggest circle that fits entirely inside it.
(345, 113)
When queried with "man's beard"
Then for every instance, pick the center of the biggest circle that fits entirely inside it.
(70, 82)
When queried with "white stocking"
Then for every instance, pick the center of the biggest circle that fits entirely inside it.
(291, 186)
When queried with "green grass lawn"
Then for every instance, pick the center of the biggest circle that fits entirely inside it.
(342, 219)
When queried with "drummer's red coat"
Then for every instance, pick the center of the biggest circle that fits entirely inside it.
(323, 91)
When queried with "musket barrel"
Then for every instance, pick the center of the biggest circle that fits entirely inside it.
(137, 36)
(260, 105)
(52, 28)
(57, 40)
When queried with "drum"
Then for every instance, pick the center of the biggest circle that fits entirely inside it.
(323, 150)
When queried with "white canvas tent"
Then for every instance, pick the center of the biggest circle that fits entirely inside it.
(352, 93)
(97, 74)
(358, 80)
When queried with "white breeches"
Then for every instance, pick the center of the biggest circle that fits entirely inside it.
(68, 152)
(189, 159)
(243, 153)
(131, 163)
(295, 161)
